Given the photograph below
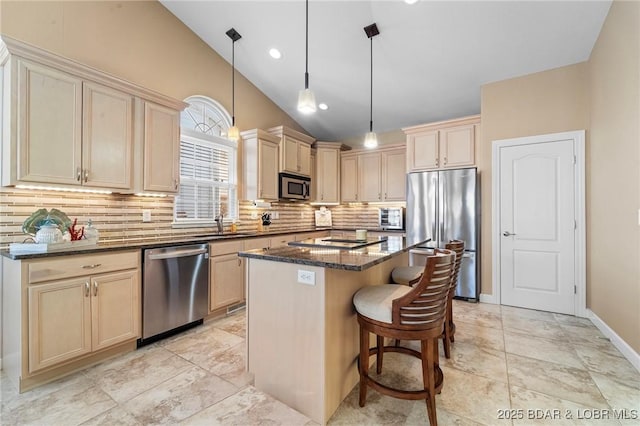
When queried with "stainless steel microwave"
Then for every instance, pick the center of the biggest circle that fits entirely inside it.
(293, 187)
(391, 218)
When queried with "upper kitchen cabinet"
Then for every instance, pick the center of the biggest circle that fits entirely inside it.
(66, 124)
(161, 148)
(374, 176)
(326, 179)
(260, 165)
(442, 145)
(295, 150)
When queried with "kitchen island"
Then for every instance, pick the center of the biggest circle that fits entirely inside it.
(302, 332)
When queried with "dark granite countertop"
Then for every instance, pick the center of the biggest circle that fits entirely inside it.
(137, 244)
(351, 260)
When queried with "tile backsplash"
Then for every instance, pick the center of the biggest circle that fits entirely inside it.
(119, 217)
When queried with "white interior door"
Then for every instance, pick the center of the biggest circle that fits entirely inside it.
(537, 226)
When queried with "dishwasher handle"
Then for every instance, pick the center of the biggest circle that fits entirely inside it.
(177, 253)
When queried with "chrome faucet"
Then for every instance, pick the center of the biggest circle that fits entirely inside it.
(218, 220)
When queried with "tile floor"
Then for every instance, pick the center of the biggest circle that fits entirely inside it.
(508, 366)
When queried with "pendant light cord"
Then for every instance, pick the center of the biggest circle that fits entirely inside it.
(371, 90)
(233, 83)
(306, 48)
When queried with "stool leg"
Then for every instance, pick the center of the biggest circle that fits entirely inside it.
(449, 321)
(380, 345)
(364, 364)
(429, 377)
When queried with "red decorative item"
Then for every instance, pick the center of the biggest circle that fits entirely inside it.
(76, 234)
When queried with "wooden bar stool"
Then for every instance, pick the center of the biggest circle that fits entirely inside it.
(409, 313)
(449, 330)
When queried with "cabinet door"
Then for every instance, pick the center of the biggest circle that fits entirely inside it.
(267, 170)
(227, 281)
(107, 136)
(328, 175)
(290, 155)
(161, 148)
(422, 151)
(59, 322)
(304, 159)
(313, 188)
(49, 127)
(370, 166)
(115, 308)
(457, 146)
(394, 175)
(349, 178)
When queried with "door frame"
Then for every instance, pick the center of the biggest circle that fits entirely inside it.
(578, 137)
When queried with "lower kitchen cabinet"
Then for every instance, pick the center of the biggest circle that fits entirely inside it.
(226, 274)
(64, 313)
(69, 318)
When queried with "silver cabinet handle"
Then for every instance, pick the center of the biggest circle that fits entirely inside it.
(437, 161)
(86, 175)
(445, 161)
(239, 262)
(95, 288)
(79, 174)
(507, 234)
(92, 266)
(175, 184)
(86, 289)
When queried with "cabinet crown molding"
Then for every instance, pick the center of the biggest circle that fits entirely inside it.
(382, 148)
(286, 131)
(259, 134)
(10, 46)
(472, 119)
(331, 145)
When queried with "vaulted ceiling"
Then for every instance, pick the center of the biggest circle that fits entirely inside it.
(429, 60)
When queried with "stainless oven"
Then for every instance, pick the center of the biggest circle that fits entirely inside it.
(293, 187)
(391, 218)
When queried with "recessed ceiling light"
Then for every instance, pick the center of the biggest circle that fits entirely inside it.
(323, 106)
(410, 1)
(275, 53)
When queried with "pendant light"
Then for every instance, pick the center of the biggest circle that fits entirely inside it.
(370, 139)
(306, 98)
(233, 133)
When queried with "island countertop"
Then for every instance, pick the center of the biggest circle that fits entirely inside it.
(334, 258)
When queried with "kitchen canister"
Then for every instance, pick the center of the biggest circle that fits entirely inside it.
(361, 234)
(48, 233)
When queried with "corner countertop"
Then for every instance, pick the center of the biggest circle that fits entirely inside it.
(137, 244)
(350, 260)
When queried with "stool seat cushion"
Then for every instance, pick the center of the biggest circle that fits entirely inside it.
(407, 275)
(375, 301)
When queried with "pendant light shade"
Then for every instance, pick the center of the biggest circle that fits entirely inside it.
(306, 98)
(233, 133)
(370, 139)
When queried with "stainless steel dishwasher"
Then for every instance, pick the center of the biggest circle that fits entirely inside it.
(175, 287)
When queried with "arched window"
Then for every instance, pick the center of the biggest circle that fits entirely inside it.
(208, 160)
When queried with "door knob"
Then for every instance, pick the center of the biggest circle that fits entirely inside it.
(507, 234)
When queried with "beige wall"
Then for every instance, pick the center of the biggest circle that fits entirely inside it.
(546, 102)
(141, 42)
(613, 180)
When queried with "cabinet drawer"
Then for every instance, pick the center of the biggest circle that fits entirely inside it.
(75, 266)
(228, 247)
(257, 243)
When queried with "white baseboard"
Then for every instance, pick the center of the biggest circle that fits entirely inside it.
(488, 298)
(632, 356)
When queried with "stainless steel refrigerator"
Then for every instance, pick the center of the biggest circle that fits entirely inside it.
(445, 205)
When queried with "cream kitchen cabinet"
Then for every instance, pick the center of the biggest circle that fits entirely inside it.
(326, 179)
(374, 176)
(70, 131)
(441, 145)
(66, 312)
(260, 165)
(161, 148)
(295, 150)
(349, 177)
(226, 274)
(68, 125)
